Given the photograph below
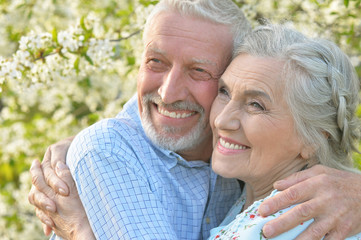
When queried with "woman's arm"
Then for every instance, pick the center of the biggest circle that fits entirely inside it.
(69, 220)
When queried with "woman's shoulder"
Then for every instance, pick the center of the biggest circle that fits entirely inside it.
(249, 223)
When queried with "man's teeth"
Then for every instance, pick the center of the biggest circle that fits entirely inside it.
(231, 145)
(173, 114)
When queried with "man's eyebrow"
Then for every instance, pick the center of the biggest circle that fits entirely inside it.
(156, 50)
(204, 61)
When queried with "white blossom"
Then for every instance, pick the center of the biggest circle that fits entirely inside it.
(69, 39)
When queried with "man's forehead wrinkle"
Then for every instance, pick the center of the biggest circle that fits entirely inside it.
(182, 32)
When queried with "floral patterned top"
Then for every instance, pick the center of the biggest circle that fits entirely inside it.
(248, 224)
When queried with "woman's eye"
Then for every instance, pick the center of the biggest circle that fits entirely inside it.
(223, 91)
(256, 105)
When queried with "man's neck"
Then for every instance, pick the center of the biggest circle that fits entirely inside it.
(202, 152)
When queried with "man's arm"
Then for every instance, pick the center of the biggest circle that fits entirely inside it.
(332, 197)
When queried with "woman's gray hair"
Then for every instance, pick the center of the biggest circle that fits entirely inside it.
(223, 12)
(321, 90)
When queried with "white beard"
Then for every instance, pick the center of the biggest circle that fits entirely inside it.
(164, 138)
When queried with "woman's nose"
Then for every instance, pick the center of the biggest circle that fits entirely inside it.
(228, 118)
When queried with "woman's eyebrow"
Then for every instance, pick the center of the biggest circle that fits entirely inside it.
(247, 93)
(255, 93)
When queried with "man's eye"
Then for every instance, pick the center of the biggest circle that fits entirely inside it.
(199, 74)
(156, 65)
(155, 60)
(199, 70)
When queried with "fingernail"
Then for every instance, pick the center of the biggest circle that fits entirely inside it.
(263, 209)
(268, 231)
(279, 182)
(48, 223)
(61, 165)
(33, 164)
(50, 209)
(62, 191)
(59, 168)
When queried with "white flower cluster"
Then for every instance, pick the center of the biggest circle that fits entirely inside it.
(101, 53)
(42, 58)
(35, 42)
(70, 39)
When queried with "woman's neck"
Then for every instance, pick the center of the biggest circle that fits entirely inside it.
(253, 195)
(259, 188)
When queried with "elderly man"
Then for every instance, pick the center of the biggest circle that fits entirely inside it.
(145, 174)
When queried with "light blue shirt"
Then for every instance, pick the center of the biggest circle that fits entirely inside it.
(248, 224)
(132, 189)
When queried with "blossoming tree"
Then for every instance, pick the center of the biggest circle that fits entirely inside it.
(66, 64)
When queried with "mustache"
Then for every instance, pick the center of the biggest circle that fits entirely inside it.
(179, 105)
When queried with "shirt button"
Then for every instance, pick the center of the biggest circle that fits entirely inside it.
(208, 221)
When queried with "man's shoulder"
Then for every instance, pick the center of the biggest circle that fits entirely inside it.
(108, 142)
(109, 131)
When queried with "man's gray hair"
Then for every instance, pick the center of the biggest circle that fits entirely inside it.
(321, 89)
(223, 12)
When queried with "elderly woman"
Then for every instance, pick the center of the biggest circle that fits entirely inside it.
(285, 103)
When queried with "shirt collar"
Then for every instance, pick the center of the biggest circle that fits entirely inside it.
(174, 159)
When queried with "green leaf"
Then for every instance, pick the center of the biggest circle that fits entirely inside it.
(88, 59)
(146, 3)
(131, 60)
(48, 51)
(358, 3)
(76, 65)
(82, 23)
(55, 35)
(346, 2)
(62, 55)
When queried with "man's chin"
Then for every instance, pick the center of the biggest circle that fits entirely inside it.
(173, 141)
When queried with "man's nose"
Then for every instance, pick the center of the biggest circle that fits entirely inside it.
(174, 86)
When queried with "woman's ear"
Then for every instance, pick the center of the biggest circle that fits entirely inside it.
(307, 152)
